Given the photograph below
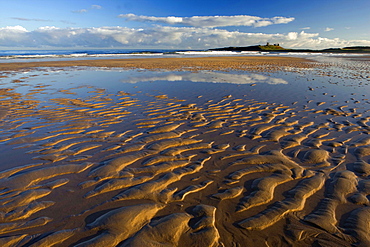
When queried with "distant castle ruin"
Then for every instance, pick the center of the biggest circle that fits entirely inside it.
(268, 44)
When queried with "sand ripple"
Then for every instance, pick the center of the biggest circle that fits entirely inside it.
(117, 170)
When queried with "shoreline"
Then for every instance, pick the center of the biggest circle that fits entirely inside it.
(190, 64)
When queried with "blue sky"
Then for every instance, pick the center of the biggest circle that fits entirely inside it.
(177, 24)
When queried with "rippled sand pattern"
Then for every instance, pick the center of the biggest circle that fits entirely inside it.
(114, 170)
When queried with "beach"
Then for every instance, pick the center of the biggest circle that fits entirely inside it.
(191, 151)
(168, 63)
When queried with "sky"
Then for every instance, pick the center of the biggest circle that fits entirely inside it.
(182, 24)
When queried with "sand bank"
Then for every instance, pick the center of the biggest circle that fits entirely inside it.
(207, 63)
(86, 166)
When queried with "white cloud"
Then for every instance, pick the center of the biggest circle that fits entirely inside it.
(68, 22)
(211, 21)
(96, 6)
(15, 29)
(80, 11)
(292, 35)
(13, 35)
(160, 37)
(306, 28)
(28, 19)
(328, 29)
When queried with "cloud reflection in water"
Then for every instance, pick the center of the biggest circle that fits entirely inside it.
(206, 76)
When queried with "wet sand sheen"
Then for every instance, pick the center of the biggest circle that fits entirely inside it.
(205, 63)
(118, 169)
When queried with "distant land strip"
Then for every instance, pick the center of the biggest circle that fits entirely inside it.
(277, 48)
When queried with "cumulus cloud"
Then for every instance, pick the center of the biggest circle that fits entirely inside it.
(211, 21)
(306, 28)
(13, 35)
(160, 37)
(328, 29)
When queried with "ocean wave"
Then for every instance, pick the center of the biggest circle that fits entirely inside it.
(76, 54)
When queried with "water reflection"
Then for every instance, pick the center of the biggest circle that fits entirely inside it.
(205, 76)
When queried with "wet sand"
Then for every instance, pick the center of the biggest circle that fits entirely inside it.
(195, 63)
(157, 165)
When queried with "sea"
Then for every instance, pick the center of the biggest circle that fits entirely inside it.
(7, 56)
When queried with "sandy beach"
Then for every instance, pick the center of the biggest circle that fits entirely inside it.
(213, 151)
(192, 63)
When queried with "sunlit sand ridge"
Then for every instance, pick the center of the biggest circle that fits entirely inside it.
(148, 169)
(208, 63)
